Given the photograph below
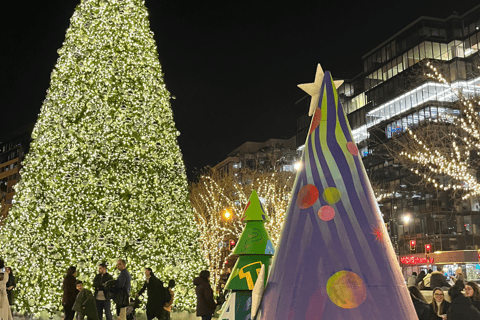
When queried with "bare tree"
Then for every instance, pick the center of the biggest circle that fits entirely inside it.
(443, 151)
(219, 200)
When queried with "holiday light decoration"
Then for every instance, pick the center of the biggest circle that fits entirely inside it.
(213, 192)
(443, 151)
(104, 178)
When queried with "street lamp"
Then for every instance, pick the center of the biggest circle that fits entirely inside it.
(298, 165)
(407, 218)
(227, 214)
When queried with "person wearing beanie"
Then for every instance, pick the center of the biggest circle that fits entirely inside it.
(439, 305)
(205, 303)
(459, 276)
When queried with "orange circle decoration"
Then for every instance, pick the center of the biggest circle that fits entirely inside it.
(346, 289)
(352, 148)
(316, 119)
(332, 195)
(326, 213)
(307, 196)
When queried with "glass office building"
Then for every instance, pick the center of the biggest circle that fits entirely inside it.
(383, 101)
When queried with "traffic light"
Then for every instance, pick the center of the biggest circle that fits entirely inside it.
(428, 248)
(413, 243)
(232, 244)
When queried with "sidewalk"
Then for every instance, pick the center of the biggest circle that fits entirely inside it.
(140, 316)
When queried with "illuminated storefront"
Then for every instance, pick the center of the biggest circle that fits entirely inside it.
(467, 260)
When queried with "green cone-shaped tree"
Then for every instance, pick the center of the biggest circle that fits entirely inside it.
(104, 178)
(254, 248)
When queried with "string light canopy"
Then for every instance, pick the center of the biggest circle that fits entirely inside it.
(449, 162)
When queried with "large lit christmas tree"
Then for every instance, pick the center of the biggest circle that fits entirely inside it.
(104, 178)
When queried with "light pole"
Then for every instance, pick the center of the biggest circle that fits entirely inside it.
(227, 214)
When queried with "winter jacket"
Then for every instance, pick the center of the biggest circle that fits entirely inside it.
(411, 281)
(85, 304)
(69, 290)
(10, 283)
(422, 309)
(462, 309)
(426, 281)
(438, 280)
(445, 307)
(419, 279)
(205, 303)
(156, 297)
(99, 284)
(123, 282)
(476, 304)
(121, 289)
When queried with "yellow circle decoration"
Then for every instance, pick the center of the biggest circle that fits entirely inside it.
(332, 195)
(346, 289)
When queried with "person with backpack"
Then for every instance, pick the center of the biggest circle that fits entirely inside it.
(419, 280)
(425, 283)
(158, 295)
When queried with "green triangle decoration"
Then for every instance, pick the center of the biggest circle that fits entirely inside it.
(255, 249)
(254, 210)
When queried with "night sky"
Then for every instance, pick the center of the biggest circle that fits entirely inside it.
(233, 66)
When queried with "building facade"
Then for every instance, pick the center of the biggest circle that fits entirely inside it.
(389, 97)
(272, 155)
(13, 148)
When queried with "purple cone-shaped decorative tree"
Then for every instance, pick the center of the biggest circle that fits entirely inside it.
(334, 259)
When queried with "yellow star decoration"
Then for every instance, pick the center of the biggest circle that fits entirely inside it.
(313, 89)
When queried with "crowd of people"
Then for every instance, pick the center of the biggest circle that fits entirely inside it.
(462, 306)
(84, 303)
(81, 302)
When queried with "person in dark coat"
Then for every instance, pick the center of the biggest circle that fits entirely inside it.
(438, 279)
(439, 305)
(102, 296)
(11, 284)
(156, 295)
(472, 290)
(69, 293)
(420, 304)
(460, 284)
(85, 303)
(121, 289)
(462, 308)
(420, 277)
(205, 303)
(168, 305)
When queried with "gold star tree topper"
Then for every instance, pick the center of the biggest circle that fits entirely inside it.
(313, 89)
